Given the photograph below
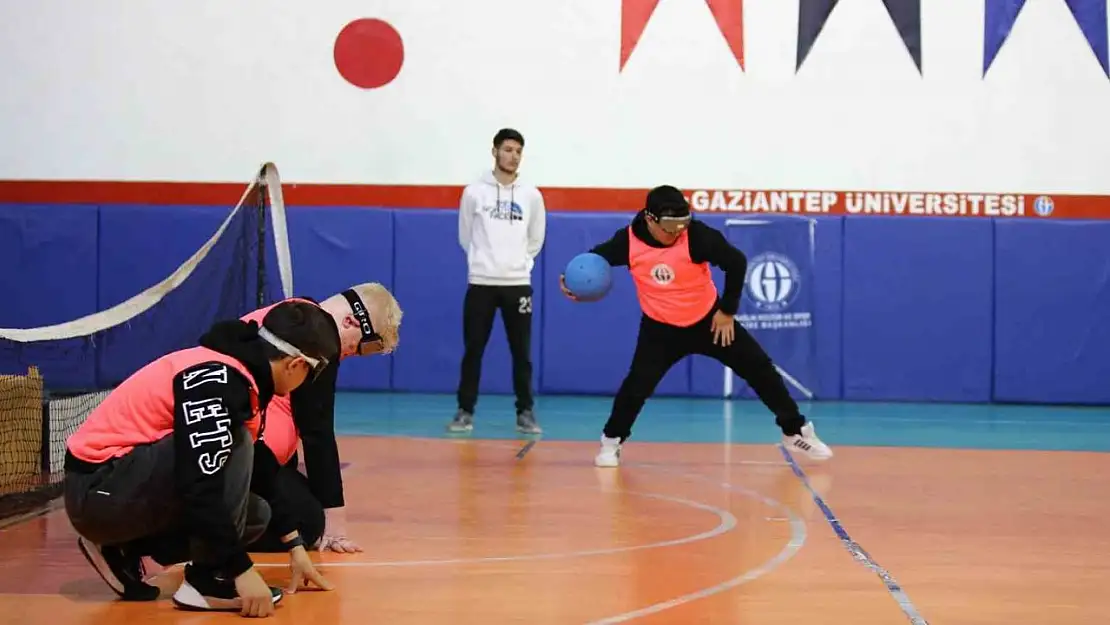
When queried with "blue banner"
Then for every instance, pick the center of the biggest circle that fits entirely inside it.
(777, 306)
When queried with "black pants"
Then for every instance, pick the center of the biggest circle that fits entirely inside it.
(659, 346)
(132, 502)
(306, 508)
(479, 308)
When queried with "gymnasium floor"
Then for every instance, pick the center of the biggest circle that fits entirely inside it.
(938, 514)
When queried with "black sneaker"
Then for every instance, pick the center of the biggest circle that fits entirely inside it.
(202, 591)
(121, 571)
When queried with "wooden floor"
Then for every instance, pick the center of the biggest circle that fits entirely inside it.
(462, 532)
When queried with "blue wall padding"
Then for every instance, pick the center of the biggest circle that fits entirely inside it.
(707, 377)
(828, 317)
(48, 275)
(918, 306)
(917, 309)
(43, 248)
(1052, 313)
(139, 247)
(334, 249)
(431, 284)
(588, 347)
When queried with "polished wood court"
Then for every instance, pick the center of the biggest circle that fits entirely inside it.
(460, 531)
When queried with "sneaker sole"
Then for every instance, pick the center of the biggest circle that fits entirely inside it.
(607, 463)
(189, 599)
(794, 449)
(100, 565)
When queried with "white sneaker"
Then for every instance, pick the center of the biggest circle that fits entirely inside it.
(206, 592)
(808, 444)
(610, 454)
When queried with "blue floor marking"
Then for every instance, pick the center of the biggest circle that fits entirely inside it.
(701, 420)
(857, 550)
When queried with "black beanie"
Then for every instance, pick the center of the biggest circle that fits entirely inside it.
(666, 201)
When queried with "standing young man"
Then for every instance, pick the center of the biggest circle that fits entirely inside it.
(668, 255)
(502, 222)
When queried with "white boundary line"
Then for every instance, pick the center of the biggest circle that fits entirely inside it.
(727, 523)
(798, 535)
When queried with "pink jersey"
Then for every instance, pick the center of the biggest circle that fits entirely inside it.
(141, 409)
(672, 288)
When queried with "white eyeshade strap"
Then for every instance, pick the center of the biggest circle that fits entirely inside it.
(285, 347)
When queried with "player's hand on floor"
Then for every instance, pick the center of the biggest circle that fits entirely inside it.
(566, 291)
(339, 544)
(724, 329)
(304, 572)
(255, 594)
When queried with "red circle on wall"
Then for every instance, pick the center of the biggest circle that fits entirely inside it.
(369, 53)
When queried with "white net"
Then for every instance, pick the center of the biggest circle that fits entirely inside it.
(52, 377)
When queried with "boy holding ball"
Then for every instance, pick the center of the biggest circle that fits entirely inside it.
(668, 255)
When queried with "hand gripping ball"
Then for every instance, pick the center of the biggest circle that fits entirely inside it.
(588, 276)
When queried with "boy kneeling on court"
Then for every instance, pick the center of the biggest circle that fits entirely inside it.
(163, 467)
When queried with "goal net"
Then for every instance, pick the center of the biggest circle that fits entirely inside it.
(52, 377)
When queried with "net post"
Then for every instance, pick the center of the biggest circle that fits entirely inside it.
(68, 351)
(44, 447)
(260, 295)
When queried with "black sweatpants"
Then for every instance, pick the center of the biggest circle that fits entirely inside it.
(132, 502)
(659, 346)
(306, 508)
(479, 308)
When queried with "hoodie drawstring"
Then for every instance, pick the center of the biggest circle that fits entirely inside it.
(512, 197)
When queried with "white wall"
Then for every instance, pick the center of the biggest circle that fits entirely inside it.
(207, 90)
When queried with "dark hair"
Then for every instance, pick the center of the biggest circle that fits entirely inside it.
(506, 134)
(304, 326)
(666, 201)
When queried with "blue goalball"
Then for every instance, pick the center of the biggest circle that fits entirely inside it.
(588, 276)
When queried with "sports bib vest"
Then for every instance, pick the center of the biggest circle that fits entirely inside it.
(672, 288)
(141, 409)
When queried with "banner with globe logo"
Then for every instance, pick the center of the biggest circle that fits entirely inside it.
(777, 306)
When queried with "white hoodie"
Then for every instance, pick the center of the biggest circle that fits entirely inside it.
(501, 229)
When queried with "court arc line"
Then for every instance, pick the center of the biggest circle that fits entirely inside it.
(798, 535)
(727, 523)
(858, 553)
